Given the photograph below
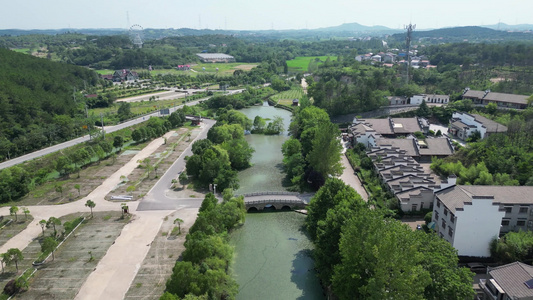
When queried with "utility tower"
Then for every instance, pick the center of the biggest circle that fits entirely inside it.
(408, 38)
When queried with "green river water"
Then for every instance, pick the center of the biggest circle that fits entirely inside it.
(272, 253)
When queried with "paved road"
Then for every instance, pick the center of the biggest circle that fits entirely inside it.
(157, 198)
(350, 178)
(55, 148)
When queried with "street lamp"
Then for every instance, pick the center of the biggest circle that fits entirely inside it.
(215, 189)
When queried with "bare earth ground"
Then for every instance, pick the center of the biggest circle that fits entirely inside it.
(62, 277)
(164, 156)
(164, 251)
(90, 178)
(245, 67)
(14, 228)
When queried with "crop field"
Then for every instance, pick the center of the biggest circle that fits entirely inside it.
(300, 63)
(286, 97)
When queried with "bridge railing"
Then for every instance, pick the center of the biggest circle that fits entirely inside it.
(275, 201)
(269, 193)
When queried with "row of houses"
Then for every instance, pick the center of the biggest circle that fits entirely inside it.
(389, 59)
(502, 100)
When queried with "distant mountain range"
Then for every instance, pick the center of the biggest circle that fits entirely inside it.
(489, 32)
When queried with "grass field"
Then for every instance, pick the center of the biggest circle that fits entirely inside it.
(286, 97)
(300, 63)
(21, 50)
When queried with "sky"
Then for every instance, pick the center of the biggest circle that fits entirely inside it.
(259, 15)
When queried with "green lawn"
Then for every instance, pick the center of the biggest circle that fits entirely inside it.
(21, 50)
(286, 97)
(300, 63)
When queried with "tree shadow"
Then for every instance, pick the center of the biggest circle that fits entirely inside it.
(304, 276)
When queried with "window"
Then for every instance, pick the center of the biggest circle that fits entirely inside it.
(436, 216)
(523, 209)
(505, 222)
(450, 231)
(521, 223)
(413, 207)
(445, 211)
(452, 218)
(443, 224)
(508, 209)
(438, 203)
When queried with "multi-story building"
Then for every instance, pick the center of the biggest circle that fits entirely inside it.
(502, 100)
(470, 216)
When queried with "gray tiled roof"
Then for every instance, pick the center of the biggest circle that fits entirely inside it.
(406, 125)
(437, 146)
(455, 197)
(409, 145)
(490, 125)
(511, 279)
(511, 98)
(381, 126)
(474, 94)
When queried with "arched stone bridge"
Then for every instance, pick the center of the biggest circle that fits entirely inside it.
(276, 200)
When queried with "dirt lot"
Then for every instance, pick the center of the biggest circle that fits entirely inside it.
(163, 157)
(63, 277)
(164, 251)
(90, 178)
(13, 228)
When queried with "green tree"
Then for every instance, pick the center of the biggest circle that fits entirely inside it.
(259, 124)
(13, 210)
(53, 222)
(59, 189)
(26, 211)
(178, 221)
(124, 111)
(90, 204)
(423, 110)
(77, 186)
(325, 157)
(118, 142)
(43, 224)
(14, 255)
(49, 245)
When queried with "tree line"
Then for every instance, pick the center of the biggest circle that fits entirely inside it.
(203, 271)
(362, 253)
(313, 152)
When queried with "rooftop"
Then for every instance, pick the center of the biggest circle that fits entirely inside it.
(455, 197)
(512, 277)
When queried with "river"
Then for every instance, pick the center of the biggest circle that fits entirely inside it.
(272, 257)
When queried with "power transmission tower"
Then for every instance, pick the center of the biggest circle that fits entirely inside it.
(408, 39)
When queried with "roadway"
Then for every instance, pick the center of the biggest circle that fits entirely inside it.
(79, 140)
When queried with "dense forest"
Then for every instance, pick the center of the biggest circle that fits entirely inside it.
(37, 106)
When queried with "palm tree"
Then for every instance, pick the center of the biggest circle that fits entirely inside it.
(14, 255)
(43, 224)
(13, 210)
(90, 204)
(178, 221)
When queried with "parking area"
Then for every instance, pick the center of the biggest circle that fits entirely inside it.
(62, 277)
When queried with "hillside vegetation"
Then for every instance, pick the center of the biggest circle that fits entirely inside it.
(36, 102)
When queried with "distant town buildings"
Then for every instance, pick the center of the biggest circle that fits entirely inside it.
(215, 57)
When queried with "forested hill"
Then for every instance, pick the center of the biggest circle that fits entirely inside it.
(469, 33)
(36, 100)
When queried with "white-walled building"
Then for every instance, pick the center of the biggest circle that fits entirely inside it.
(470, 216)
(439, 99)
(464, 125)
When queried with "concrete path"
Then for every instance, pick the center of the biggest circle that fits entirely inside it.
(350, 178)
(115, 272)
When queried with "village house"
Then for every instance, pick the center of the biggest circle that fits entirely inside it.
(183, 67)
(123, 75)
(501, 99)
(463, 125)
(391, 127)
(440, 99)
(471, 216)
(511, 281)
